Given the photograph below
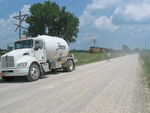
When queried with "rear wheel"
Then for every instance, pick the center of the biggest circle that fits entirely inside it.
(34, 72)
(5, 78)
(69, 66)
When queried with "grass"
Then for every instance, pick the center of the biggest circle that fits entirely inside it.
(85, 57)
(145, 55)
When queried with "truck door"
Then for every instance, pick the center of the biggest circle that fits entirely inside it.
(39, 50)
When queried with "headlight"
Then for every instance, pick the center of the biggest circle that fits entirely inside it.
(22, 65)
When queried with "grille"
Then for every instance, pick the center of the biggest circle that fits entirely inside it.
(7, 61)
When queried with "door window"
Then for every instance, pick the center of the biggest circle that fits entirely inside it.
(38, 44)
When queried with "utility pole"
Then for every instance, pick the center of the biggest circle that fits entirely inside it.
(94, 41)
(145, 44)
(21, 18)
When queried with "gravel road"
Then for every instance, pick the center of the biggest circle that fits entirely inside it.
(102, 87)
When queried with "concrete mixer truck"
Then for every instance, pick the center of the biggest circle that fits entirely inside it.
(32, 57)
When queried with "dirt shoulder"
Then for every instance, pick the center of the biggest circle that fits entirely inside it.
(145, 91)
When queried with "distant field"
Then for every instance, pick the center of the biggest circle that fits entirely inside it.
(85, 57)
(146, 65)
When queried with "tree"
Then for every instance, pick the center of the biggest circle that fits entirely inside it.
(50, 19)
(125, 48)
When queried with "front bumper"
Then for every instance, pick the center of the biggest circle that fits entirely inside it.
(14, 71)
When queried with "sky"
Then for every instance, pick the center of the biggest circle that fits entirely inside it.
(111, 23)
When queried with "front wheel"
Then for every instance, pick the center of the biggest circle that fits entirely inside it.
(34, 72)
(70, 66)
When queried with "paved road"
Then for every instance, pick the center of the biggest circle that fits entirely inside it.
(102, 87)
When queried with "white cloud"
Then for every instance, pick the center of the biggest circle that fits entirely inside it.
(85, 19)
(25, 9)
(134, 12)
(121, 11)
(101, 4)
(91, 13)
(105, 23)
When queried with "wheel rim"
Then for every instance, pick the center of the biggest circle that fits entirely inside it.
(34, 72)
(70, 64)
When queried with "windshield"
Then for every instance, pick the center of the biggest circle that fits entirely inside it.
(23, 44)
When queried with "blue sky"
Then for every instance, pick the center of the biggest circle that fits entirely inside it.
(111, 22)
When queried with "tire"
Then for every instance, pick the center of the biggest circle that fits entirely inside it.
(70, 66)
(34, 72)
(5, 78)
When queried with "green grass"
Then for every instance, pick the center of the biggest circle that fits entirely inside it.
(146, 64)
(85, 57)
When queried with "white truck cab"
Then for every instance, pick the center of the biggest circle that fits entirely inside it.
(33, 57)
